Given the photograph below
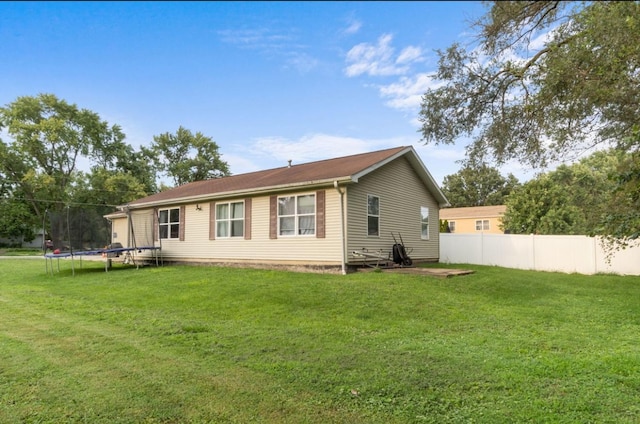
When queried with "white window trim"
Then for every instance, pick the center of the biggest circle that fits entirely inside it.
(377, 216)
(480, 223)
(453, 230)
(168, 224)
(229, 220)
(296, 215)
(422, 223)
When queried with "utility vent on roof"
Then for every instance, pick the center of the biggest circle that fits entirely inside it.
(289, 163)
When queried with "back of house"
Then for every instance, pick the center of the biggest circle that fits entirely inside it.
(315, 214)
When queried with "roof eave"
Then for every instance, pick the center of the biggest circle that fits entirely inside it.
(238, 193)
(421, 170)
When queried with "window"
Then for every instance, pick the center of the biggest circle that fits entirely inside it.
(169, 223)
(373, 215)
(452, 226)
(297, 215)
(230, 219)
(424, 213)
(482, 225)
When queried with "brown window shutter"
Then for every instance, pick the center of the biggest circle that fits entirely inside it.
(212, 221)
(156, 229)
(182, 209)
(320, 201)
(247, 219)
(273, 217)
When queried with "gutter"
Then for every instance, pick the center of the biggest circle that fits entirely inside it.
(238, 193)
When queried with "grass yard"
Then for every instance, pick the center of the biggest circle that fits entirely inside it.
(20, 251)
(222, 345)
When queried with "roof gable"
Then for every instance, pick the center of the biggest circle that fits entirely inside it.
(344, 169)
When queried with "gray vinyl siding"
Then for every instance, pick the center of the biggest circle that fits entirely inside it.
(401, 194)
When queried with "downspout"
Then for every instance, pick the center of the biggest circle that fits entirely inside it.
(129, 225)
(342, 232)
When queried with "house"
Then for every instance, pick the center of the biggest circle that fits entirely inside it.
(314, 214)
(37, 242)
(474, 219)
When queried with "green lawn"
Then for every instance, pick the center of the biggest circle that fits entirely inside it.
(222, 345)
(20, 251)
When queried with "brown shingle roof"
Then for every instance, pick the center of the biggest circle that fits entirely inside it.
(303, 174)
(473, 212)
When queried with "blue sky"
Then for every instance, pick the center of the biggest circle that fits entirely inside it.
(267, 81)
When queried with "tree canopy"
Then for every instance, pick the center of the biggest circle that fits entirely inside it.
(573, 199)
(186, 157)
(49, 137)
(479, 185)
(546, 81)
(58, 155)
(622, 221)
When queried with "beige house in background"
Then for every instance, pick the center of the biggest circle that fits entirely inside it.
(475, 219)
(312, 214)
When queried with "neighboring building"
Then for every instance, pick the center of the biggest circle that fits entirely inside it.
(474, 219)
(37, 242)
(313, 214)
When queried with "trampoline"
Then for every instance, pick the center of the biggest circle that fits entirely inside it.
(106, 254)
(75, 233)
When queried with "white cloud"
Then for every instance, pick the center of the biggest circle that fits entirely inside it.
(541, 40)
(254, 37)
(281, 44)
(409, 54)
(522, 172)
(302, 62)
(378, 59)
(406, 93)
(440, 160)
(354, 27)
(311, 147)
(240, 164)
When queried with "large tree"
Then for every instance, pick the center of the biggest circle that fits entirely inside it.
(572, 199)
(546, 81)
(49, 138)
(622, 220)
(16, 220)
(479, 185)
(49, 141)
(186, 157)
(541, 206)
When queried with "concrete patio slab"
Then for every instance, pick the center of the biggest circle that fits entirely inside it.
(432, 272)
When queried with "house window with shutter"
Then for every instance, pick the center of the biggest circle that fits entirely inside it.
(297, 215)
(230, 219)
(373, 216)
(169, 223)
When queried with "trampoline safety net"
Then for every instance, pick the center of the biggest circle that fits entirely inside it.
(84, 229)
(86, 232)
(75, 229)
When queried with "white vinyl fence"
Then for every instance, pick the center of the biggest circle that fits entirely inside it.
(579, 254)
